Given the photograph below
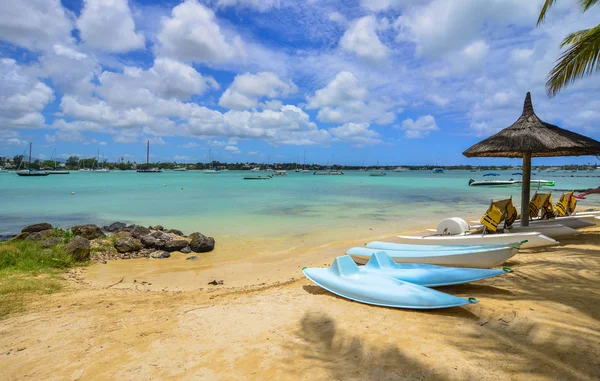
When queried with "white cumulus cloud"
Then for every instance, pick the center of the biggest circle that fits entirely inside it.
(247, 89)
(420, 128)
(34, 24)
(361, 39)
(107, 25)
(193, 34)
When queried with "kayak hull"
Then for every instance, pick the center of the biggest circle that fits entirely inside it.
(534, 240)
(549, 230)
(426, 275)
(409, 247)
(344, 279)
(478, 259)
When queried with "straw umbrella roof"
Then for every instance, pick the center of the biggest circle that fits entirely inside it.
(531, 135)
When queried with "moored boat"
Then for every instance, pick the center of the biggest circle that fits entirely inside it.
(148, 169)
(31, 172)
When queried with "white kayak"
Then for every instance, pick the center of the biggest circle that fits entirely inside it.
(409, 247)
(534, 240)
(426, 275)
(479, 258)
(549, 230)
(343, 278)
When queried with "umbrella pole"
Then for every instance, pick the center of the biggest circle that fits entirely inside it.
(525, 189)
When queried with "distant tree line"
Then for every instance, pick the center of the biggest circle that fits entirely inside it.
(75, 163)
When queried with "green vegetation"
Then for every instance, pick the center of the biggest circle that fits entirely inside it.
(582, 57)
(28, 269)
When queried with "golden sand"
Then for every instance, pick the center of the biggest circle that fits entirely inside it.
(267, 322)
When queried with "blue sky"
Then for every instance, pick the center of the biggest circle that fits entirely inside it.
(388, 81)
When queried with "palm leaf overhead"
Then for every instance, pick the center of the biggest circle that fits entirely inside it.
(547, 5)
(582, 57)
(584, 4)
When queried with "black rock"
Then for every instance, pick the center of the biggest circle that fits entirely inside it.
(160, 235)
(79, 248)
(192, 258)
(186, 250)
(36, 228)
(128, 244)
(201, 243)
(51, 242)
(115, 226)
(175, 231)
(175, 245)
(160, 254)
(149, 241)
(140, 231)
(89, 231)
(39, 236)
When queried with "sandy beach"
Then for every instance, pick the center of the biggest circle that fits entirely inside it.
(268, 322)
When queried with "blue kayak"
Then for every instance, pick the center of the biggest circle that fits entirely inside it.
(426, 275)
(476, 257)
(345, 279)
(408, 247)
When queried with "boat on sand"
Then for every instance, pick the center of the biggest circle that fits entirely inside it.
(345, 279)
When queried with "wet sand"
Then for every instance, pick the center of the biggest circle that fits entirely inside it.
(268, 322)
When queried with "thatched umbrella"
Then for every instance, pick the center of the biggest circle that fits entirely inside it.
(530, 137)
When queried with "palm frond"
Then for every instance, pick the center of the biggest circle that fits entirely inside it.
(547, 5)
(582, 58)
(586, 4)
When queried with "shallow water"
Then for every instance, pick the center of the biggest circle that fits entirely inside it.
(290, 209)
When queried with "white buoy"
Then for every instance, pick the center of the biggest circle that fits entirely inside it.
(164, 185)
(72, 192)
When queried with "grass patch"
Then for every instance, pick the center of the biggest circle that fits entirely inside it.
(28, 269)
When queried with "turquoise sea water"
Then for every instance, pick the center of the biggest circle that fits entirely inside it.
(227, 205)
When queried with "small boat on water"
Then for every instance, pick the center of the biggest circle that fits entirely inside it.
(328, 173)
(280, 173)
(148, 169)
(58, 172)
(377, 173)
(438, 170)
(345, 279)
(427, 275)
(31, 172)
(476, 257)
(491, 183)
(180, 169)
(268, 177)
(210, 171)
(401, 169)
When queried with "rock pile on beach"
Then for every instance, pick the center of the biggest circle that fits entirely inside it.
(117, 241)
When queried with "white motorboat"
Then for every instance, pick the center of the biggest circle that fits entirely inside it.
(491, 183)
